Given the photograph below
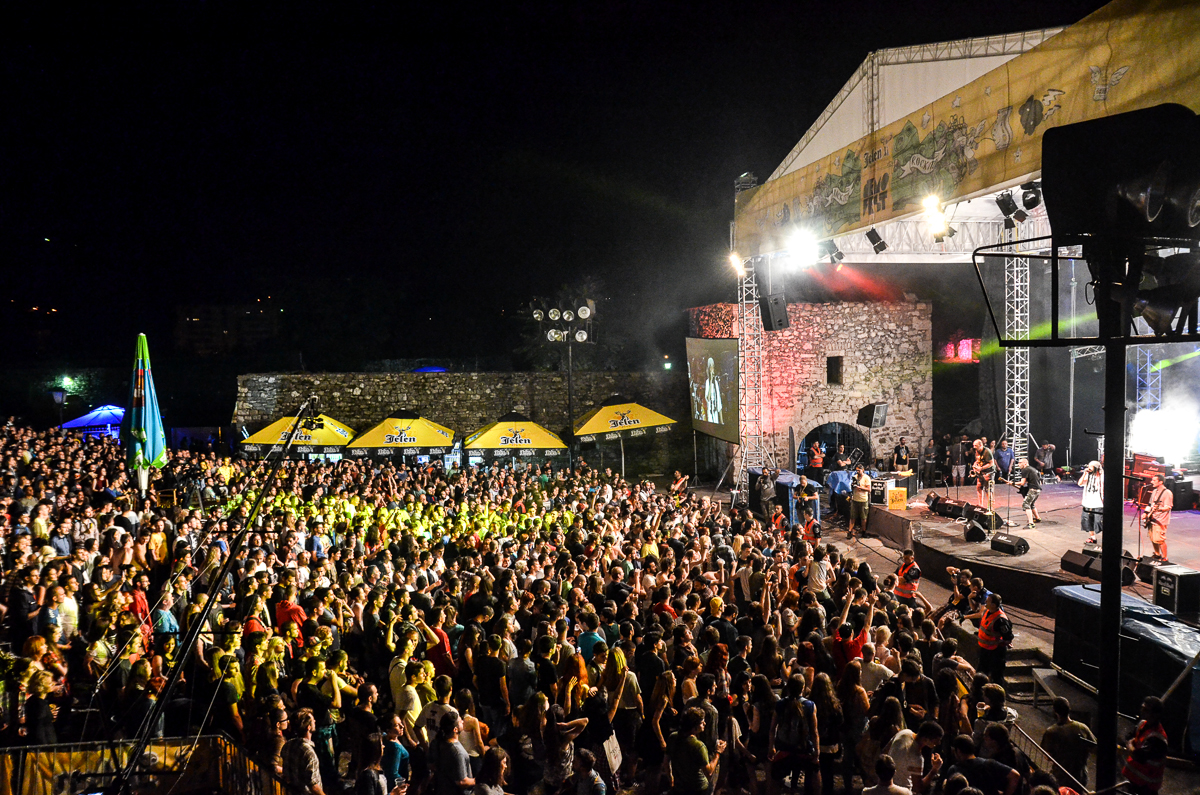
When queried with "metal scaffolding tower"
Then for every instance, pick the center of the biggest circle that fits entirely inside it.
(753, 451)
(1016, 360)
(1149, 380)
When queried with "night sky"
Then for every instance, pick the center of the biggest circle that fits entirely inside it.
(399, 182)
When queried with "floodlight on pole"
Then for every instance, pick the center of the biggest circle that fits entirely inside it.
(739, 267)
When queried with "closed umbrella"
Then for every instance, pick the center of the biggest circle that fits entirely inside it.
(141, 427)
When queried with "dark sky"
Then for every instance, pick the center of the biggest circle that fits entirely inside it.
(394, 180)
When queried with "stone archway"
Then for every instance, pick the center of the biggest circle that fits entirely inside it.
(831, 433)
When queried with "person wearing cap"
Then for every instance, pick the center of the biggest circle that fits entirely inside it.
(1092, 518)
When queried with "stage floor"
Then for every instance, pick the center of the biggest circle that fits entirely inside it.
(1029, 578)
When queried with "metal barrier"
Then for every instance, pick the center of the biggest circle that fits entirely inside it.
(176, 765)
(1041, 760)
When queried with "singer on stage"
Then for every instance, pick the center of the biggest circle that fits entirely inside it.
(1158, 516)
(984, 471)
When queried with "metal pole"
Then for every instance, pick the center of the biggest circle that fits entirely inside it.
(695, 458)
(120, 784)
(1111, 563)
(1071, 388)
(571, 407)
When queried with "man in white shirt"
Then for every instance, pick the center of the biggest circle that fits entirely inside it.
(874, 673)
(1092, 518)
(905, 749)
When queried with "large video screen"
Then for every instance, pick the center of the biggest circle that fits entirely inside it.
(713, 381)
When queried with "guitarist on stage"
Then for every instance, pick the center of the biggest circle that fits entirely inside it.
(984, 471)
(1158, 516)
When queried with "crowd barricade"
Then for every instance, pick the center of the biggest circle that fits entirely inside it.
(179, 765)
(1041, 760)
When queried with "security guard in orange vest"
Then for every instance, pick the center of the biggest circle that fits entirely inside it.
(908, 577)
(994, 626)
(1147, 750)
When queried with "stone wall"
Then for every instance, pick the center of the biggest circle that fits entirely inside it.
(887, 355)
(468, 401)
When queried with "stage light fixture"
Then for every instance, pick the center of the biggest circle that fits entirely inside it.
(948, 232)
(1031, 195)
(581, 336)
(739, 267)
(554, 335)
(539, 315)
(830, 249)
(554, 314)
(876, 241)
(935, 216)
(1010, 210)
(585, 310)
(568, 315)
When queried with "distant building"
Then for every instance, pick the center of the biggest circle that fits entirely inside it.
(216, 329)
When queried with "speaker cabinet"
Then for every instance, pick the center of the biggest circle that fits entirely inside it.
(975, 533)
(1009, 544)
(1145, 568)
(873, 416)
(774, 311)
(932, 499)
(1177, 588)
(951, 509)
(1076, 563)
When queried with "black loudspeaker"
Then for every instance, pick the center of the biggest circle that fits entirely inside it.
(774, 311)
(1009, 544)
(1177, 588)
(932, 499)
(951, 509)
(1183, 493)
(1145, 568)
(975, 532)
(1076, 563)
(873, 416)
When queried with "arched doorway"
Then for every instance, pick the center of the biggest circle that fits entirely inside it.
(830, 435)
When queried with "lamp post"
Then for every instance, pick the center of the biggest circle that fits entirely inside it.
(569, 326)
(60, 397)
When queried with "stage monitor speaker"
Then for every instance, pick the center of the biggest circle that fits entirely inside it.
(1177, 588)
(932, 499)
(1145, 568)
(774, 311)
(975, 533)
(951, 509)
(1076, 563)
(873, 416)
(1009, 544)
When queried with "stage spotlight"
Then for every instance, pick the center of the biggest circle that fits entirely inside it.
(1010, 210)
(539, 315)
(554, 314)
(932, 203)
(949, 232)
(739, 267)
(568, 315)
(586, 309)
(876, 241)
(803, 249)
(581, 336)
(554, 335)
(935, 217)
(1031, 195)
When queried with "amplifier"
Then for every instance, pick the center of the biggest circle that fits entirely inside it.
(1177, 588)
(1009, 544)
(879, 490)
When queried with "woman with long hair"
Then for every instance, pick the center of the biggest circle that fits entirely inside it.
(371, 780)
(829, 726)
(661, 720)
(717, 665)
(471, 736)
(880, 731)
(621, 685)
(493, 773)
(856, 704)
(762, 710)
(559, 737)
(953, 714)
(770, 661)
(686, 678)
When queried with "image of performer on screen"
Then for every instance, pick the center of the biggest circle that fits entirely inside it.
(1158, 515)
(714, 409)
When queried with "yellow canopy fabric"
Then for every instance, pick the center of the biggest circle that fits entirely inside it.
(407, 433)
(331, 437)
(515, 435)
(612, 421)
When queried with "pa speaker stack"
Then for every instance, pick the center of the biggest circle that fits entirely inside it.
(1088, 564)
(774, 311)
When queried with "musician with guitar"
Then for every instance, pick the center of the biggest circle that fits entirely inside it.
(1030, 487)
(984, 470)
(1158, 515)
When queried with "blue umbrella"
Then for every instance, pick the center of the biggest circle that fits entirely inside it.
(142, 429)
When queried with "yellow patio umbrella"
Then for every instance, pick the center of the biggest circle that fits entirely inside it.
(405, 433)
(330, 436)
(618, 418)
(515, 436)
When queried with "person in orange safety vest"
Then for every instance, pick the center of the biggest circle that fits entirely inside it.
(1147, 749)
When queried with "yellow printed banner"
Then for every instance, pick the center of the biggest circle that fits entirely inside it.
(1129, 55)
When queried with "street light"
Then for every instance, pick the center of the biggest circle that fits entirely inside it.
(570, 325)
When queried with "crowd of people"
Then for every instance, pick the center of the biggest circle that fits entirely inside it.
(392, 629)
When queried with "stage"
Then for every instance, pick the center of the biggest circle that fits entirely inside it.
(1026, 580)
